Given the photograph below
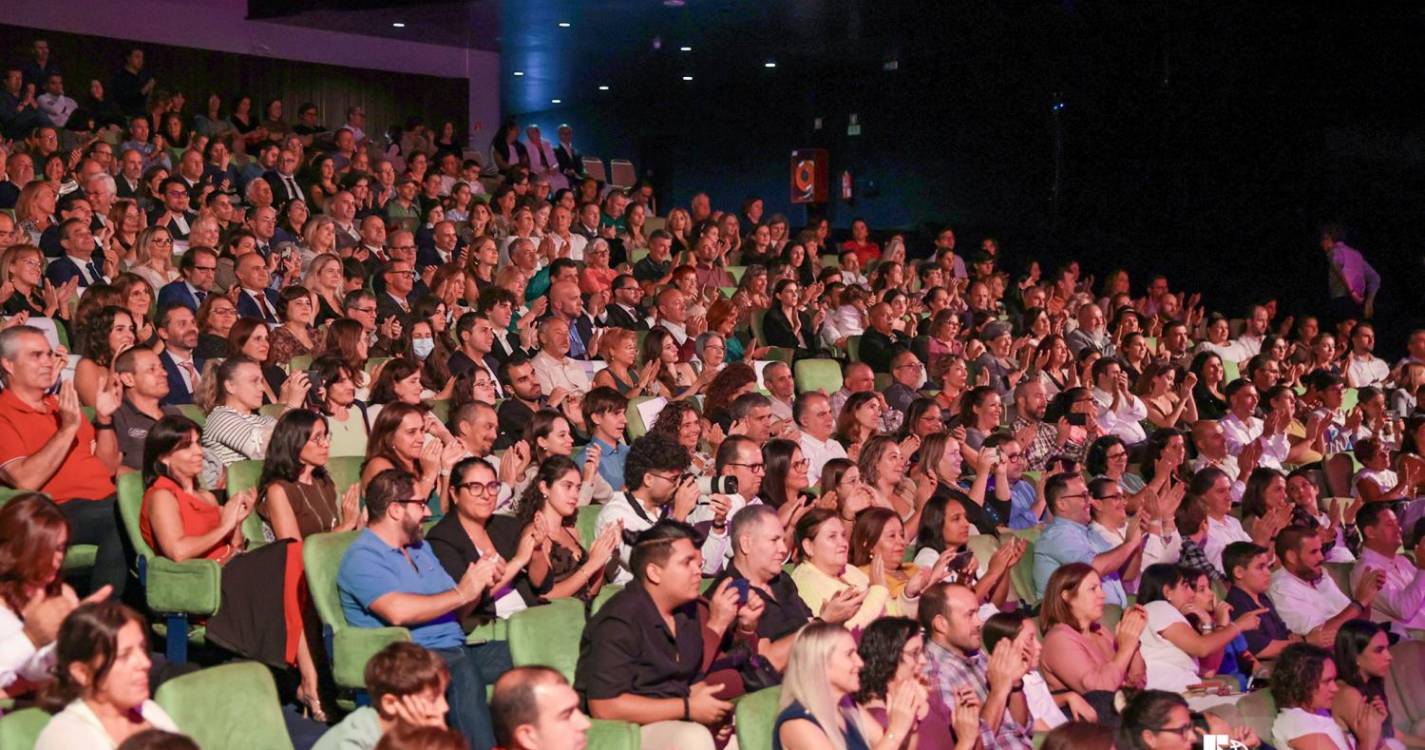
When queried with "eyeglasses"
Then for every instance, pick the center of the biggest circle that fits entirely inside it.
(367, 310)
(208, 269)
(671, 480)
(801, 465)
(480, 488)
(411, 274)
(1185, 731)
(323, 439)
(754, 468)
(420, 502)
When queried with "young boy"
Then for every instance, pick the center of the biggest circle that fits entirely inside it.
(407, 686)
(606, 416)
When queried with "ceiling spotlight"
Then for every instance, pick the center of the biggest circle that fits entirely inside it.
(687, 78)
(770, 64)
(399, 25)
(604, 88)
(685, 48)
(519, 73)
(564, 24)
(556, 101)
(674, 3)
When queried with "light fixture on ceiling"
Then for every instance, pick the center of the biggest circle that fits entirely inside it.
(398, 25)
(687, 78)
(770, 64)
(674, 3)
(604, 87)
(556, 101)
(685, 48)
(565, 24)
(519, 74)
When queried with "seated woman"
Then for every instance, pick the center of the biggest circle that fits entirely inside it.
(1047, 709)
(619, 348)
(679, 422)
(1080, 654)
(296, 495)
(1207, 394)
(787, 325)
(824, 670)
(893, 665)
(473, 532)
(348, 423)
(398, 380)
(347, 340)
(784, 480)
(547, 510)
(878, 549)
(249, 338)
(101, 681)
(399, 441)
(296, 336)
(137, 295)
(551, 434)
(1168, 406)
(23, 266)
(1375, 482)
(216, 317)
(1304, 687)
(324, 277)
(945, 533)
(937, 472)
(34, 599)
(1178, 654)
(882, 463)
(672, 379)
(1362, 667)
(234, 430)
(822, 547)
(258, 620)
(102, 337)
(859, 421)
(1160, 720)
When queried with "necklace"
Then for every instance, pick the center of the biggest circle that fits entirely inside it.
(326, 525)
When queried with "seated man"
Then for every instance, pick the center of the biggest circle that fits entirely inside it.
(630, 669)
(1401, 601)
(389, 576)
(1306, 597)
(1026, 506)
(407, 687)
(1242, 427)
(145, 383)
(48, 446)
(658, 486)
(1068, 539)
(1210, 440)
(535, 709)
(907, 377)
(782, 387)
(1117, 411)
(817, 424)
(606, 415)
(1249, 572)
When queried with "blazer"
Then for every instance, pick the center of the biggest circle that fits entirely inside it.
(178, 392)
(617, 317)
(455, 552)
(62, 269)
(386, 307)
(172, 226)
(778, 331)
(281, 196)
(247, 308)
(571, 162)
(176, 292)
(877, 349)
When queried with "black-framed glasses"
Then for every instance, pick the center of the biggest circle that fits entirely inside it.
(421, 503)
(1185, 731)
(754, 468)
(480, 488)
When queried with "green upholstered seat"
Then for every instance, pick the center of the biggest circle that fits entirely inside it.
(349, 647)
(19, 730)
(231, 707)
(614, 735)
(755, 714)
(584, 522)
(195, 413)
(736, 272)
(173, 590)
(817, 375)
(548, 635)
(757, 316)
(853, 347)
(636, 428)
(779, 354)
(1021, 576)
(605, 593)
(243, 475)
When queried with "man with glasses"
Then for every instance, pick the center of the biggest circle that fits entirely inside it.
(907, 376)
(77, 243)
(1068, 539)
(390, 577)
(813, 415)
(198, 268)
(739, 458)
(1026, 506)
(174, 215)
(283, 180)
(394, 302)
(658, 487)
(625, 309)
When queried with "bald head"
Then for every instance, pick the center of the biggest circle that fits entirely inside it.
(565, 299)
(533, 708)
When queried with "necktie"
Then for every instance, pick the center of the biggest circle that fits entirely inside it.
(291, 186)
(94, 275)
(264, 307)
(201, 295)
(192, 373)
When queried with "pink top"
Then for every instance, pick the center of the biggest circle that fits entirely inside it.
(1083, 662)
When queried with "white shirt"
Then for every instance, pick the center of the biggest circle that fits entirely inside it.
(1169, 667)
(1123, 421)
(1401, 601)
(1368, 370)
(187, 374)
(86, 272)
(1239, 434)
(77, 726)
(1228, 465)
(713, 561)
(1157, 548)
(1295, 723)
(817, 453)
(1305, 606)
(1219, 535)
(19, 658)
(620, 507)
(1229, 352)
(780, 409)
(1250, 344)
(680, 332)
(575, 242)
(560, 373)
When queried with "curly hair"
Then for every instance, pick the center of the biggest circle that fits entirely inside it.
(650, 453)
(551, 470)
(670, 421)
(723, 389)
(882, 645)
(1297, 672)
(93, 338)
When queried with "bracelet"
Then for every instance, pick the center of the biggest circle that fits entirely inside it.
(103, 425)
(687, 712)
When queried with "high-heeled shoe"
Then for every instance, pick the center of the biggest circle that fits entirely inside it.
(311, 706)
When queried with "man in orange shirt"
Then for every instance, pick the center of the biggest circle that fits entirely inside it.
(46, 445)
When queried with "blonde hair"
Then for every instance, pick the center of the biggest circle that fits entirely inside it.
(13, 254)
(315, 266)
(805, 680)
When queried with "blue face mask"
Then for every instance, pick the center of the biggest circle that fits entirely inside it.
(422, 347)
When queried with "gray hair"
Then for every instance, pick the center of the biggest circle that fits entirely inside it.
(108, 183)
(749, 518)
(10, 345)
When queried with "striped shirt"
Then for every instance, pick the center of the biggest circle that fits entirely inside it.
(229, 437)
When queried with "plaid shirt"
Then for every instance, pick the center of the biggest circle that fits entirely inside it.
(1045, 444)
(949, 669)
(1194, 558)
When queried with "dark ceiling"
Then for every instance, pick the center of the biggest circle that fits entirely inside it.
(472, 24)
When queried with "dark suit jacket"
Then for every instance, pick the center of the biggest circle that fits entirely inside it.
(878, 349)
(453, 548)
(176, 292)
(247, 308)
(281, 196)
(514, 418)
(778, 331)
(500, 352)
(386, 307)
(571, 162)
(122, 189)
(178, 392)
(617, 317)
(62, 269)
(427, 256)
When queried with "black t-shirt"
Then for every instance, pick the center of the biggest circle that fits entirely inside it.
(786, 611)
(649, 269)
(626, 649)
(1271, 627)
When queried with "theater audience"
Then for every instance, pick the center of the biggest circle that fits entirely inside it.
(1402, 591)
(1305, 596)
(1305, 688)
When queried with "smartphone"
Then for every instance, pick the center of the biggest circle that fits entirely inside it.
(741, 585)
(992, 455)
(1076, 419)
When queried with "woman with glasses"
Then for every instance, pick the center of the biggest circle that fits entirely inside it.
(1159, 720)
(785, 479)
(598, 276)
(893, 666)
(137, 296)
(216, 317)
(1305, 688)
(23, 267)
(547, 510)
(618, 347)
(878, 547)
(472, 531)
(297, 497)
(153, 257)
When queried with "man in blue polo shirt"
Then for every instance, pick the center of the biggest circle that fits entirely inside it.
(390, 577)
(1068, 539)
(606, 414)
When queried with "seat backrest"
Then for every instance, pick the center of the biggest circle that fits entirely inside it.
(1402, 686)
(754, 716)
(621, 173)
(130, 497)
(22, 728)
(587, 517)
(594, 167)
(321, 557)
(817, 374)
(1340, 572)
(548, 635)
(606, 593)
(853, 347)
(757, 316)
(614, 735)
(636, 428)
(231, 707)
(1258, 711)
(1021, 576)
(195, 413)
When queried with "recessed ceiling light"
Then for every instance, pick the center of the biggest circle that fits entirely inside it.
(604, 88)
(556, 101)
(673, 3)
(685, 48)
(564, 24)
(770, 64)
(399, 25)
(519, 73)
(687, 78)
